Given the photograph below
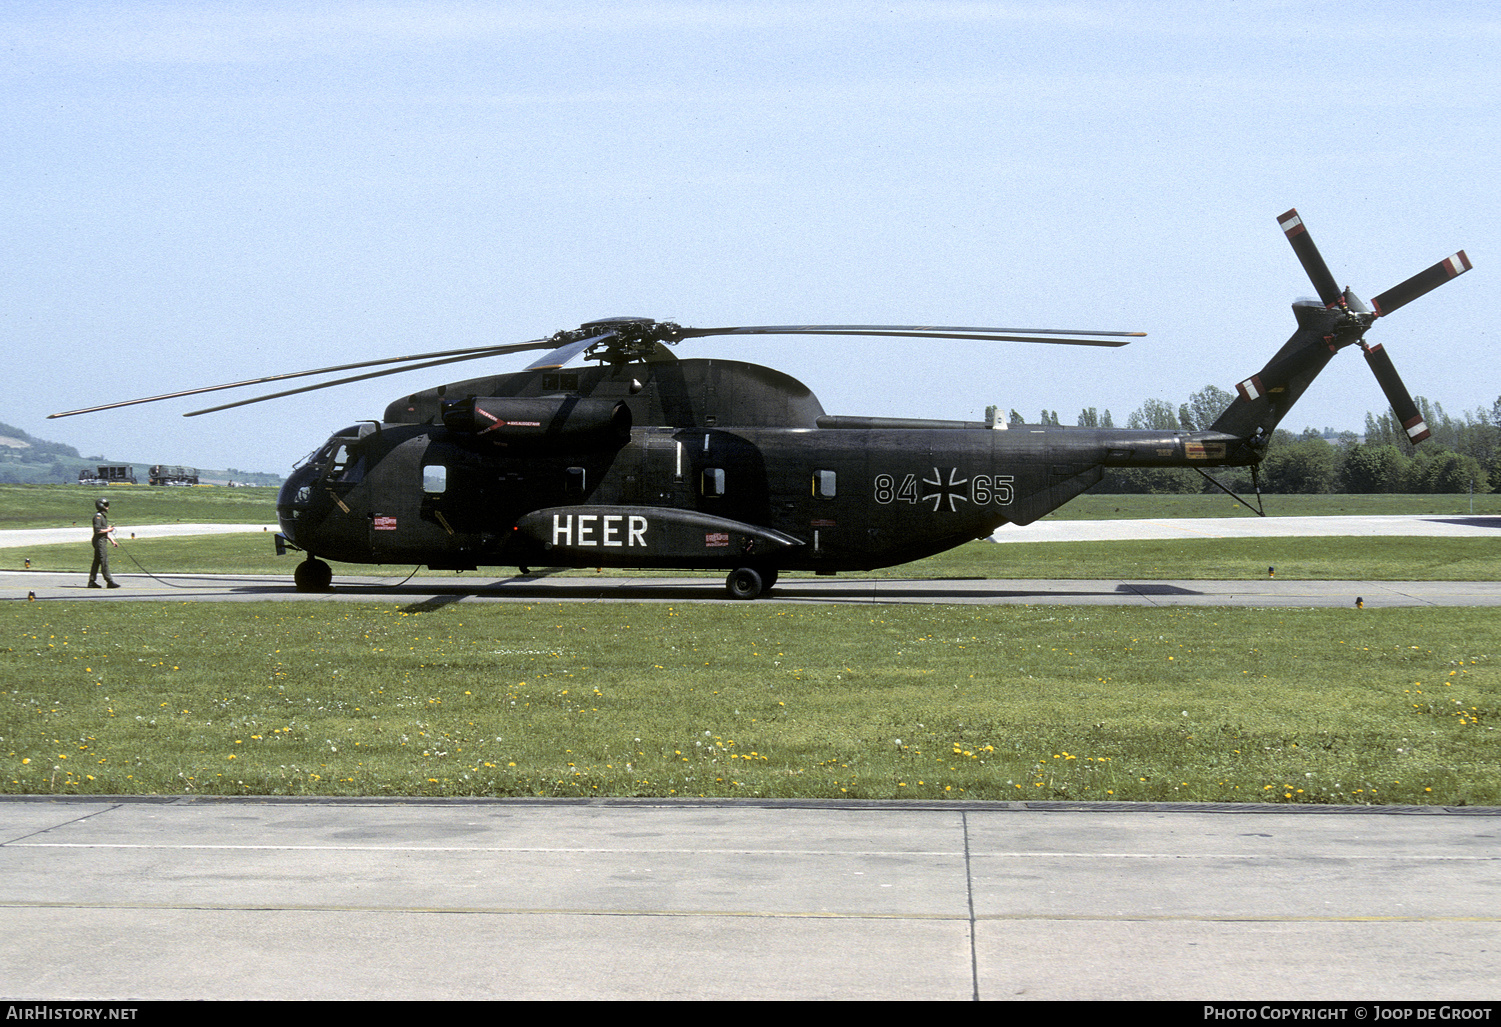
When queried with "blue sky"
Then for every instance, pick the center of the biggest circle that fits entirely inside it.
(198, 193)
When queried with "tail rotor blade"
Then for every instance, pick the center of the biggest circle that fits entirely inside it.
(1397, 394)
(1308, 256)
(1422, 282)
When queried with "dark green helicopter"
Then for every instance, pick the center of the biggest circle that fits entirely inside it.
(648, 461)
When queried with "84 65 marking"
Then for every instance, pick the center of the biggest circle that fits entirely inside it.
(944, 488)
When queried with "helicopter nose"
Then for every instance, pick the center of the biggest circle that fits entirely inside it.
(293, 500)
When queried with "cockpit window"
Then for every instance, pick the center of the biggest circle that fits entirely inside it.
(346, 463)
(318, 457)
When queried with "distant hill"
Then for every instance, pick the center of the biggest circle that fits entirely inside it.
(26, 459)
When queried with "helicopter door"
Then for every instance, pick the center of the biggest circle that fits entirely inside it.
(435, 487)
(403, 519)
(628, 468)
(666, 477)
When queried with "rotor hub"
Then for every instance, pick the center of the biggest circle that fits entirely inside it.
(622, 340)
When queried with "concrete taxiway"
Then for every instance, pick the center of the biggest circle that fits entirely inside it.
(245, 899)
(434, 591)
(1431, 526)
(18, 538)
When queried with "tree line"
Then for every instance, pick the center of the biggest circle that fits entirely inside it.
(1464, 452)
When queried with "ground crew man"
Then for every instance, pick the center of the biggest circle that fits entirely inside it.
(104, 537)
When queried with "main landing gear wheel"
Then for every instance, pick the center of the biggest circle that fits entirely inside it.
(313, 575)
(747, 582)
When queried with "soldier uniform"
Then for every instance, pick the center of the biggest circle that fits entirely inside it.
(101, 543)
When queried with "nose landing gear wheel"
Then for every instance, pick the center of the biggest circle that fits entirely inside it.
(744, 583)
(313, 575)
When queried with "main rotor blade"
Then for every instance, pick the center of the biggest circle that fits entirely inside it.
(1397, 394)
(342, 381)
(1423, 282)
(474, 352)
(1308, 255)
(1040, 335)
(566, 352)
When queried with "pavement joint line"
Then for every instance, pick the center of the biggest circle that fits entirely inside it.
(90, 815)
(969, 903)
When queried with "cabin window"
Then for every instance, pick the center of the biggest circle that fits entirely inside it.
(823, 484)
(347, 464)
(573, 481)
(713, 481)
(435, 479)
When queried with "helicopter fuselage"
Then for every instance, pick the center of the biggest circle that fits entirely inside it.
(555, 468)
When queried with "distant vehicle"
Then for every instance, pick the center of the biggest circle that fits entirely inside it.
(171, 474)
(108, 474)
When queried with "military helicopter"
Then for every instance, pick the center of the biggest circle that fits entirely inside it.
(648, 461)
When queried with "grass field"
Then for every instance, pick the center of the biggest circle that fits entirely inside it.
(1297, 706)
(57, 506)
(758, 699)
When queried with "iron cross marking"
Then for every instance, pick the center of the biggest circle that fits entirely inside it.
(945, 492)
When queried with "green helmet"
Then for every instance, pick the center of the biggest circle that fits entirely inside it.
(101, 504)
